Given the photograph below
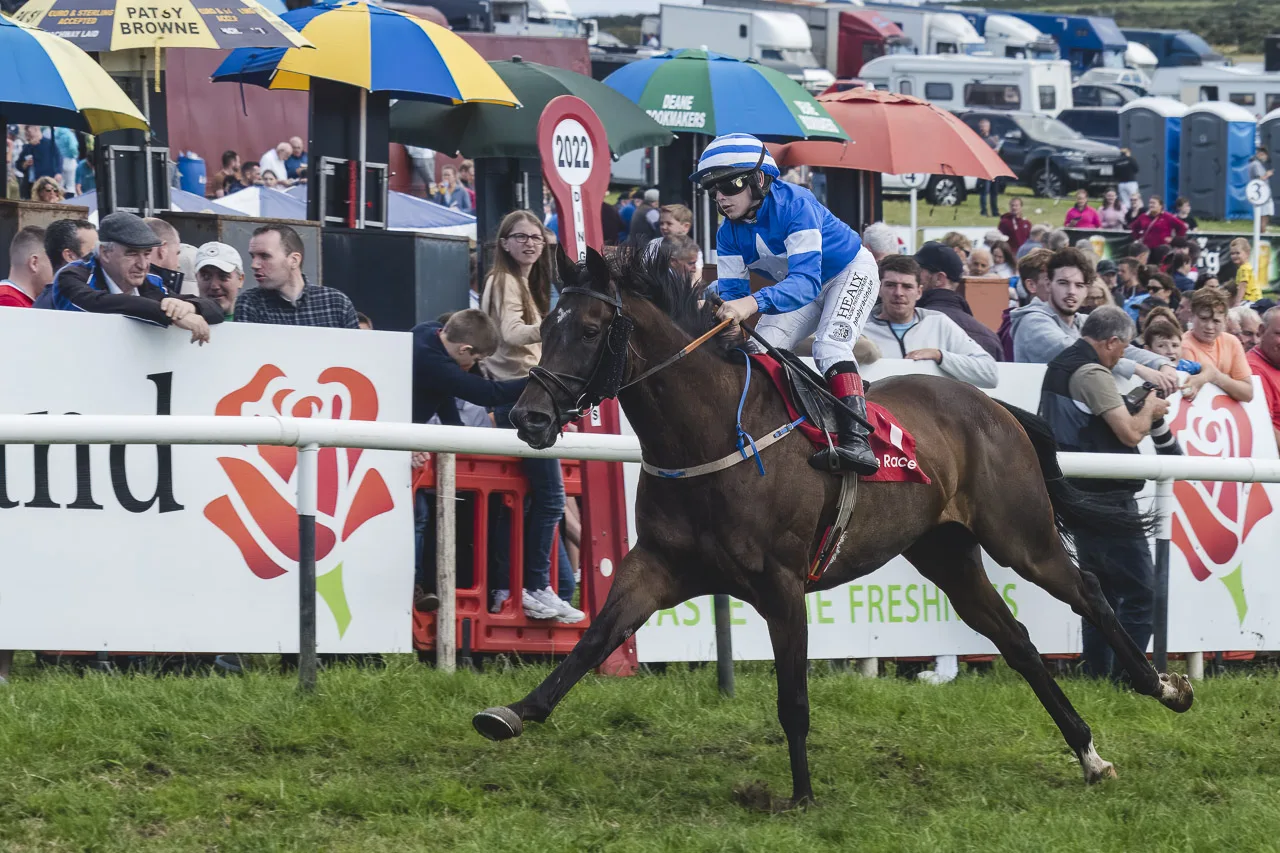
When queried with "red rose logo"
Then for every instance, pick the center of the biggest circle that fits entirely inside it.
(1212, 520)
(261, 519)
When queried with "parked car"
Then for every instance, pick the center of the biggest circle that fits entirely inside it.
(1129, 78)
(1101, 124)
(1046, 155)
(1101, 95)
(942, 190)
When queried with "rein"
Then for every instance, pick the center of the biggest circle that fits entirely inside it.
(612, 359)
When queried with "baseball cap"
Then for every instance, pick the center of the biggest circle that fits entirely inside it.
(937, 257)
(219, 255)
(1106, 266)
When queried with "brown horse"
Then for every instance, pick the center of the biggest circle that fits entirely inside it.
(996, 486)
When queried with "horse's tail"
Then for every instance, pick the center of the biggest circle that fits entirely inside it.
(1075, 510)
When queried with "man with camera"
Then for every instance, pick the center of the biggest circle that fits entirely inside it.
(1087, 413)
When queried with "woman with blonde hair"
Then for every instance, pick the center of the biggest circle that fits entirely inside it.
(517, 295)
(47, 190)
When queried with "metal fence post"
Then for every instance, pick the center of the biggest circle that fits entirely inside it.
(1164, 532)
(724, 646)
(446, 577)
(308, 457)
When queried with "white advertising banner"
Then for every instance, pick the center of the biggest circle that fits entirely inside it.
(195, 548)
(1224, 593)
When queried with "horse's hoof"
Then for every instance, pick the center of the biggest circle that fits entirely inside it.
(498, 723)
(1094, 767)
(1176, 693)
(1103, 771)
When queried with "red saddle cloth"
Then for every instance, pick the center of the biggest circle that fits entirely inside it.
(892, 445)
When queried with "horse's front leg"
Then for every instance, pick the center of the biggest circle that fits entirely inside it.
(643, 584)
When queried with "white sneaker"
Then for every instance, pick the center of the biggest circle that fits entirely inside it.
(536, 608)
(565, 612)
(497, 598)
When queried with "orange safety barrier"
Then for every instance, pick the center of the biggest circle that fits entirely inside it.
(487, 479)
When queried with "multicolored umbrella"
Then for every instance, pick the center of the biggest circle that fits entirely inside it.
(48, 80)
(377, 50)
(109, 25)
(487, 130)
(695, 91)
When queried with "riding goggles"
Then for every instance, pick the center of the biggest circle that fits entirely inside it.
(731, 186)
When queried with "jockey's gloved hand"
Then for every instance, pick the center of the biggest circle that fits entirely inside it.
(740, 310)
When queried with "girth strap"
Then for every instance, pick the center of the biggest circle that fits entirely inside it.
(750, 450)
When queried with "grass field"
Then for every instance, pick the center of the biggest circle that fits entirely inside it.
(387, 760)
(897, 211)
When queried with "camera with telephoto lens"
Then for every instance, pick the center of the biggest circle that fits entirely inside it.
(1165, 441)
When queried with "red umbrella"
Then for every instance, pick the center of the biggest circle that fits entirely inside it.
(897, 134)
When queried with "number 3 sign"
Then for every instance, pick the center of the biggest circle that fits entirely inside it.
(575, 166)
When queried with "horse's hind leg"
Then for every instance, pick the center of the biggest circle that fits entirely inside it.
(643, 584)
(1041, 558)
(949, 556)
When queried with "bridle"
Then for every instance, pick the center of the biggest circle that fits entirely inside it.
(605, 380)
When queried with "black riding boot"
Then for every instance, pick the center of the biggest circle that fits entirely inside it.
(853, 453)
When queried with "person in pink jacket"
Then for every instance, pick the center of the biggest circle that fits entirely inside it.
(1157, 225)
(1082, 215)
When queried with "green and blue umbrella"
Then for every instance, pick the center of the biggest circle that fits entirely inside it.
(696, 91)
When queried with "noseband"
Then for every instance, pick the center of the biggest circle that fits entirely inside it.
(605, 379)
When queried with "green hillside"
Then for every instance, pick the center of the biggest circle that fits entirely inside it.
(1232, 27)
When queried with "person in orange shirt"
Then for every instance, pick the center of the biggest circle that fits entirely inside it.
(1265, 361)
(1221, 356)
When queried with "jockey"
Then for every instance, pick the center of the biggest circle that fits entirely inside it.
(826, 282)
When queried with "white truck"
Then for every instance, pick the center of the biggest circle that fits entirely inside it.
(976, 82)
(551, 18)
(932, 30)
(779, 40)
(1012, 38)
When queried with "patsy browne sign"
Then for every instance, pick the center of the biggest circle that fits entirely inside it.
(194, 548)
(1224, 593)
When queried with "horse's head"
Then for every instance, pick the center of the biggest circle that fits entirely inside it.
(584, 352)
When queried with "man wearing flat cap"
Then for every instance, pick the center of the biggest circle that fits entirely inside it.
(116, 279)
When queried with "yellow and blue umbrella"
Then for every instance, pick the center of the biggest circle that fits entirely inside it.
(375, 49)
(48, 80)
(109, 25)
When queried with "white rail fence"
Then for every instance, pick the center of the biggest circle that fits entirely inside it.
(311, 434)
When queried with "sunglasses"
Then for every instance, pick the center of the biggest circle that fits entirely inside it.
(732, 186)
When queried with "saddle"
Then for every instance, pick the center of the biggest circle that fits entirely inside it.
(892, 444)
(818, 408)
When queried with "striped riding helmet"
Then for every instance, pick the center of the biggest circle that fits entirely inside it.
(731, 156)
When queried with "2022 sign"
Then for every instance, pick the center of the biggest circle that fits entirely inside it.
(574, 153)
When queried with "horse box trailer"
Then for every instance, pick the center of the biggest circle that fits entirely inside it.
(779, 40)
(1256, 91)
(976, 82)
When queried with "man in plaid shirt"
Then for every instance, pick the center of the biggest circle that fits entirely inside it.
(283, 297)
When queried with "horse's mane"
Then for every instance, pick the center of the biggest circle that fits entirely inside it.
(646, 273)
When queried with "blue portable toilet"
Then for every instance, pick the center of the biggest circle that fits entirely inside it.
(1217, 142)
(191, 173)
(1151, 128)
